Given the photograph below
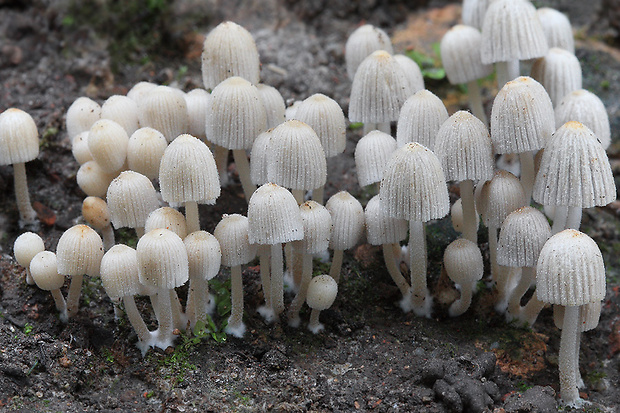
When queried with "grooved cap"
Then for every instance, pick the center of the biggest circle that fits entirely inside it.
(380, 228)
(317, 222)
(347, 220)
(119, 272)
(232, 233)
(81, 115)
(585, 107)
(122, 110)
(557, 28)
(19, 137)
(420, 118)
(522, 236)
(460, 55)
(372, 153)
(324, 115)
(499, 197)
(145, 149)
(462, 260)
(164, 108)
(131, 198)
(44, 271)
(559, 72)
(167, 218)
(204, 254)
(79, 251)
(362, 42)
(162, 259)
(274, 216)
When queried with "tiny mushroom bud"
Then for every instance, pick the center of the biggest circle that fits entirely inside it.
(107, 142)
(322, 292)
(79, 148)
(81, 115)
(145, 149)
(167, 218)
(372, 153)
(44, 270)
(420, 118)
(164, 108)
(122, 110)
(462, 260)
(93, 180)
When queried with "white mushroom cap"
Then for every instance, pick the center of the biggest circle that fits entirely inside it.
(512, 31)
(93, 180)
(81, 115)
(347, 220)
(107, 143)
(44, 270)
(26, 246)
(322, 292)
(167, 218)
(259, 158)
(522, 117)
(188, 173)
(139, 90)
(464, 147)
(361, 43)
(197, 101)
(119, 272)
(585, 107)
(232, 233)
(79, 251)
(19, 137)
(460, 55)
(145, 149)
(522, 236)
(162, 259)
(324, 115)
(559, 72)
(79, 148)
(204, 254)
(557, 28)
(274, 104)
(372, 153)
(164, 108)
(574, 170)
(499, 197)
(570, 270)
(229, 50)
(413, 186)
(420, 118)
(96, 213)
(122, 110)
(412, 72)
(379, 89)
(380, 228)
(473, 12)
(274, 216)
(462, 260)
(297, 159)
(317, 222)
(131, 198)
(589, 316)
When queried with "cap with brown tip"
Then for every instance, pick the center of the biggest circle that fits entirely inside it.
(362, 42)
(145, 149)
(372, 153)
(324, 115)
(420, 118)
(131, 198)
(81, 115)
(164, 108)
(122, 110)
(585, 107)
(559, 72)
(167, 218)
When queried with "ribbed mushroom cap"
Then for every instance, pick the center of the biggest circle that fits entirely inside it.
(93, 180)
(79, 251)
(188, 173)
(324, 115)
(145, 149)
(557, 28)
(499, 197)
(413, 185)
(197, 101)
(81, 115)
(570, 270)
(317, 222)
(559, 72)
(460, 55)
(372, 153)
(585, 107)
(107, 143)
(274, 104)
(139, 90)
(259, 158)
(131, 198)
(347, 220)
(522, 117)
(96, 213)
(379, 89)
(473, 12)
(167, 218)
(274, 216)
(322, 292)
(464, 148)
(229, 50)
(232, 232)
(574, 170)
(44, 271)
(420, 118)
(512, 31)
(26, 246)
(79, 148)
(522, 236)
(235, 114)
(119, 272)
(380, 228)
(162, 259)
(204, 254)
(361, 43)
(297, 159)
(122, 110)
(589, 316)
(164, 108)
(462, 260)
(412, 72)
(19, 137)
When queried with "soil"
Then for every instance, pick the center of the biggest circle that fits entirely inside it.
(371, 356)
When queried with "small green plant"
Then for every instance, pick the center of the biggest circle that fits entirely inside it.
(594, 377)
(430, 66)
(107, 354)
(356, 125)
(523, 386)
(28, 329)
(128, 237)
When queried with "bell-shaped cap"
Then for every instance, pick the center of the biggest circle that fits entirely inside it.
(499, 197)
(420, 118)
(81, 115)
(232, 232)
(145, 149)
(204, 254)
(413, 186)
(274, 104)
(197, 101)
(317, 222)
(322, 291)
(381, 228)
(188, 173)
(372, 153)
(259, 158)
(460, 55)
(324, 115)
(274, 216)
(522, 117)
(570, 270)
(119, 272)
(79, 148)
(19, 137)
(163, 108)
(44, 271)
(362, 42)
(585, 107)
(473, 12)
(26, 246)
(162, 260)
(139, 90)
(107, 143)
(559, 72)
(462, 260)
(93, 180)
(131, 198)
(574, 170)
(522, 236)
(412, 72)
(95, 212)
(347, 220)
(79, 251)
(122, 110)
(464, 148)
(589, 316)
(167, 218)
(557, 28)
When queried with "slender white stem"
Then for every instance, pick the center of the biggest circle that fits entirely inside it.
(475, 101)
(493, 255)
(385, 127)
(155, 305)
(470, 229)
(573, 219)
(277, 280)
(29, 279)
(26, 213)
(394, 270)
(300, 298)
(529, 313)
(502, 74)
(134, 317)
(315, 325)
(514, 303)
(178, 318)
(192, 217)
(265, 273)
(336, 267)
(527, 174)
(462, 304)
(236, 294)
(61, 305)
(568, 380)
(73, 296)
(420, 297)
(513, 69)
(578, 378)
(243, 168)
(221, 160)
(164, 337)
(139, 231)
(108, 237)
(369, 127)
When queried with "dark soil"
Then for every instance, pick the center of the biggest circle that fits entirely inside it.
(371, 356)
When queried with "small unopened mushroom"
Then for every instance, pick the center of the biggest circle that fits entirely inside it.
(93, 180)
(559, 72)
(79, 148)
(26, 246)
(557, 28)
(462, 260)
(145, 149)
(372, 152)
(107, 142)
(412, 72)
(122, 110)
(585, 107)
(322, 292)
(95, 212)
(163, 108)
(81, 115)
(273, 103)
(44, 270)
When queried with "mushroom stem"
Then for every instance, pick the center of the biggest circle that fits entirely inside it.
(221, 160)
(475, 101)
(462, 304)
(26, 213)
(73, 296)
(394, 270)
(163, 337)
(61, 305)
(155, 305)
(578, 378)
(191, 216)
(235, 321)
(318, 194)
(528, 174)
(336, 267)
(300, 298)
(134, 317)
(243, 168)
(314, 324)
(514, 302)
(573, 218)
(470, 230)
(29, 279)
(502, 74)
(265, 274)
(560, 217)
(108, 237)
(504, 284)
(568, 342)
(277, 280)
(420, 297)
(529, 313)
(179, 319)
(197, 305)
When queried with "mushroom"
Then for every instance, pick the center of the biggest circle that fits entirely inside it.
(463, 263)
(145, 149)
(44, 270)
(79, 148)
(412, 72)
(96, 213)
(420, 118)
(139, 90)
(559, 72)
(81, 115)
(26, 246)
(362, 42)
(107, 143)
(163, 108)
(166, 218)
(273, 103)
(322, 292)
(93, 180)
(372, 152)
(557, 28)
(122, 110)
(473, 12)
(585, 107)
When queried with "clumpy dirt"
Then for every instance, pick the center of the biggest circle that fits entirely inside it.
(371, 356)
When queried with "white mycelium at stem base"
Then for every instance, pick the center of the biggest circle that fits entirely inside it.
(26, 246)
(44, 270)
(322, 292)
(463, 263)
